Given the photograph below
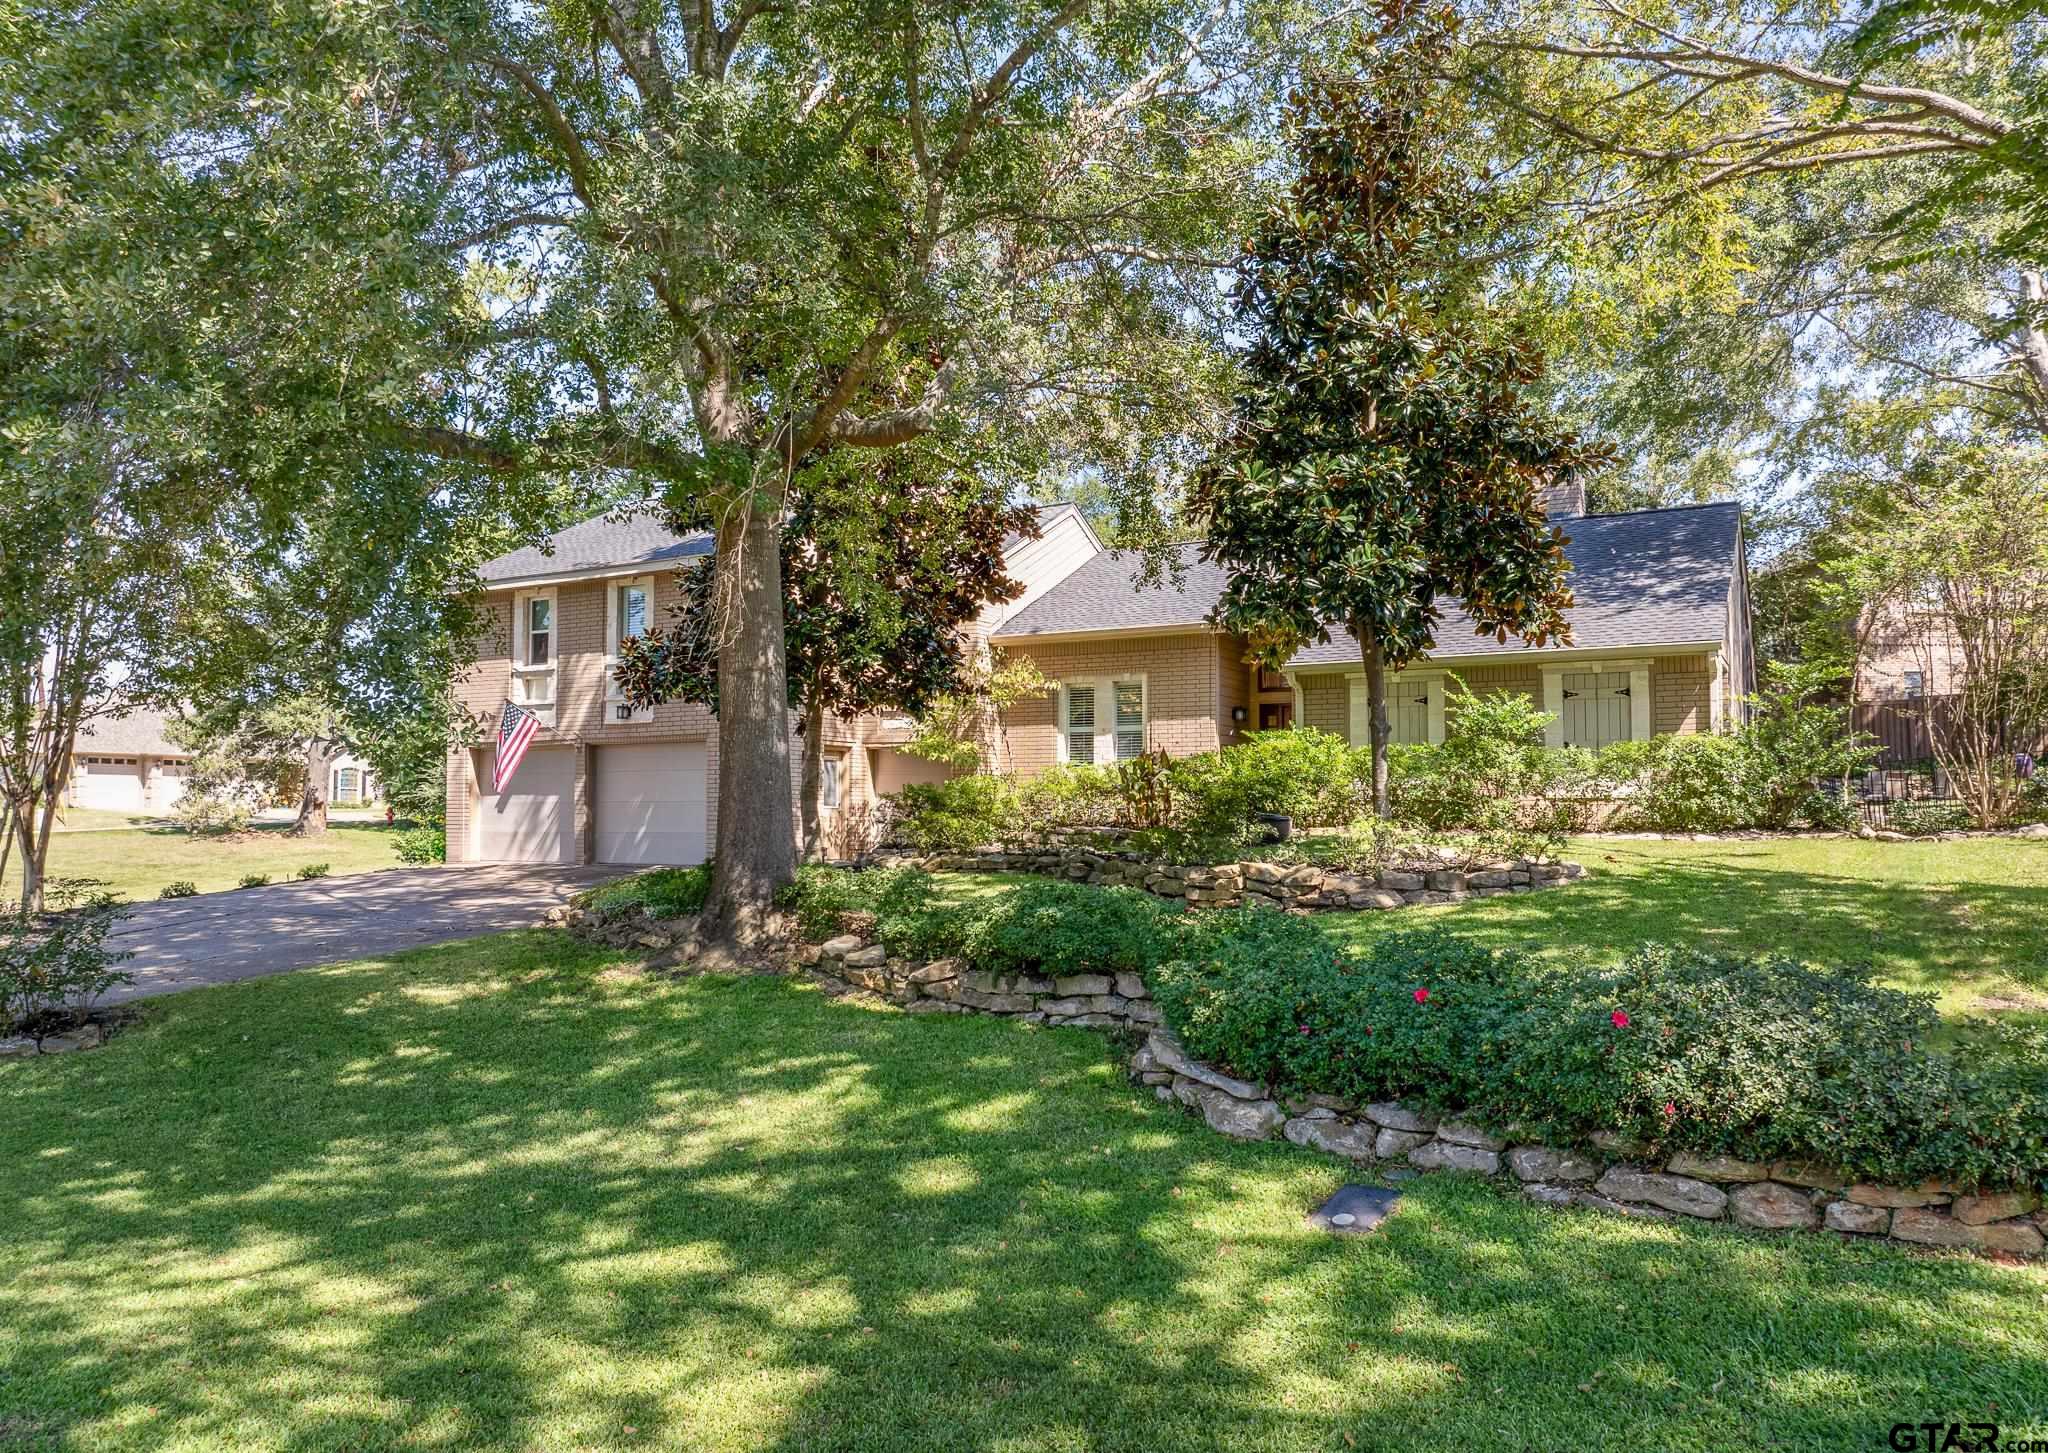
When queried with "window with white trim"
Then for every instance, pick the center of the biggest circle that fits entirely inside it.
(533, 653)
(1130, 720)
(831, 781)
(629, 610)
(1080, 724)
(1102, 721)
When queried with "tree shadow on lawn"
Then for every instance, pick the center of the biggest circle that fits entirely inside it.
(543, 1203)
(1941, 933)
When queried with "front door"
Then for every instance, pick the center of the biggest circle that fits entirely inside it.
(1276, 716)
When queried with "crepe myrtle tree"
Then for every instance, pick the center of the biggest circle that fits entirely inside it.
(671, 246)
(1386, 457)
(884, 562)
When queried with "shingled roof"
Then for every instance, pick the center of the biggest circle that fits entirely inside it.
(138, 734)
(1646, 578)
(622, 541)
(1103, 594)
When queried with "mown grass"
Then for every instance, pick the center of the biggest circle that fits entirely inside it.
(512, 1194)
(1965, 920)
(138, 864)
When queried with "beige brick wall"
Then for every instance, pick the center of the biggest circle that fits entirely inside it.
(583, 718)
(1234, 690)
(1183, 693)
(1326, 703)
(1680, 694)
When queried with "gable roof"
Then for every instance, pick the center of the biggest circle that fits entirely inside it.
(609, 543)
(615, 543)
(1645, 578)
(1103, 594)
(140, 733)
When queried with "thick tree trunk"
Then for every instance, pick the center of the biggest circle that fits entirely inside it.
(2034, 340)
(312, 819)
(756, 854)
(813, 781)
(1380, 727)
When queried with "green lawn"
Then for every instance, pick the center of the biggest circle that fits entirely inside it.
(139, 863)
(1966, 920)
(511, 1195)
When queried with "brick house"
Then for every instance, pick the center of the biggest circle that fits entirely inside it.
(1661, 644)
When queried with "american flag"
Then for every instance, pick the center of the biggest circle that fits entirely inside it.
(516, 730)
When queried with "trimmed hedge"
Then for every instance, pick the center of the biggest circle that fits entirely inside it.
(1760, 1058)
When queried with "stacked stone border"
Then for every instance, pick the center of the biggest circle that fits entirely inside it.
(1298, 886)
(1610, 1173)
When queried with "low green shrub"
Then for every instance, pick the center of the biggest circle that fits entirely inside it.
(1039, 926)
(1753, 1057)
(421, 845)
(1307, 774)
(658, 892)
(1493, 778)
(55, 964)
(1925, 819)
(310, 871)
(254, 880)
(183, 888)
(958, 815)
(1678, 783)
(1051, 927)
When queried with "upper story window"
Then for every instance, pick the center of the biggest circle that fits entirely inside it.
(630, 611)
(1916, 683)
(540, 631)
(533, 653)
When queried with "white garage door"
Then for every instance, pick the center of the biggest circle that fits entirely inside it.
(111, 783)
(531, 821)
(651, 803)
(170, 783)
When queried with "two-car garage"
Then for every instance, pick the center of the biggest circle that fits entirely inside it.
(648, 802)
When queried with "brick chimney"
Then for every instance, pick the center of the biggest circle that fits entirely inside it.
(1564, 499)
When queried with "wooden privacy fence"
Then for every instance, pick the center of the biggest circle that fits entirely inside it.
(1904, 729)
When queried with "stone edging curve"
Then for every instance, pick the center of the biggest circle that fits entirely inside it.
(1610, 1174)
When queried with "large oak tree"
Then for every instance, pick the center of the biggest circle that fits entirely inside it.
(664, 248)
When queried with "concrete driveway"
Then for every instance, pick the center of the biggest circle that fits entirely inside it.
(219, 938)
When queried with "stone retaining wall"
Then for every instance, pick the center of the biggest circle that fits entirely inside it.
(1301, 886)
(1609, 1174)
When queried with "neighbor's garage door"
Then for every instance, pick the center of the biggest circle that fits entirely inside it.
(650, 801)
(113, 783)
(531, 820)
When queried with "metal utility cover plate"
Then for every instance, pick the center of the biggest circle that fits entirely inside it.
(1354, 1209)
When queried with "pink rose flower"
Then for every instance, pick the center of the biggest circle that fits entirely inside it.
(1619, 1019)
(1422, 996)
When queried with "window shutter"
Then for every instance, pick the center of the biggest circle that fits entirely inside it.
(1130, 720)
(1081, 724)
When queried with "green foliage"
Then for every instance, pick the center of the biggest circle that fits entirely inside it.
(957, 815)
(1387, 444)
(1494, 777)
(1037, 927)
(310, 871)
(182, 888)
(1689, 1050)
(1678, 783)
(1307, 774)
(1922, 818)
(253, 880)
(421, 845)
(54, 962)
(201, 811)
(656, 893)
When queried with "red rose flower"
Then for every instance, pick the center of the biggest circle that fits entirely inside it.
(1422, 996)
(1670, 1110)
(1620, 1020)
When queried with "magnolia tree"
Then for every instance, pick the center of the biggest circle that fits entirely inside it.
(1386, 458)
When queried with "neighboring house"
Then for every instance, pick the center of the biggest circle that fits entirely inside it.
(351, 782)
(1905, 653)
(608, 783)
(127, 764)
(1661, 644)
